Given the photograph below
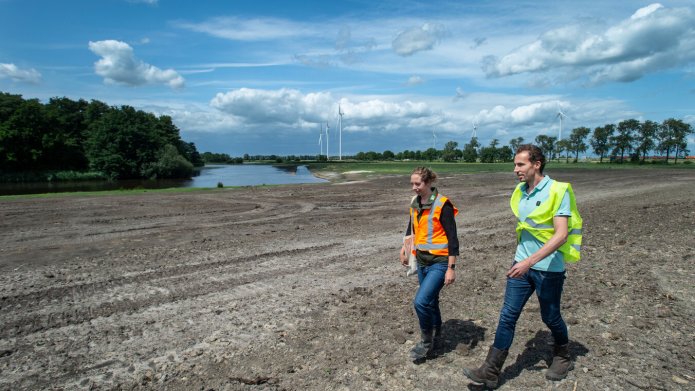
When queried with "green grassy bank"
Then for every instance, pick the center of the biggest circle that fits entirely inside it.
(406, 167)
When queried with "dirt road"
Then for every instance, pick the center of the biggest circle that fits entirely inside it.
(298, 288)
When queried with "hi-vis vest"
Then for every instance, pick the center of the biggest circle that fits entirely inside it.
(428, 231)
(539, 222)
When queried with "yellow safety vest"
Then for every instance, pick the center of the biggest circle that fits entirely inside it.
(429, 235)
(539, 222)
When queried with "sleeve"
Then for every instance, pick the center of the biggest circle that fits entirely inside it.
(449, 224)
(564, 209)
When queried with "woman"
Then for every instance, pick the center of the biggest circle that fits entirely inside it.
(436, 247)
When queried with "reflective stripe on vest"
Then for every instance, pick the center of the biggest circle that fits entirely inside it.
(539, 222)
(428, 231)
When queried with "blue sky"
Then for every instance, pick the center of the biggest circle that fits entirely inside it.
(263, 77)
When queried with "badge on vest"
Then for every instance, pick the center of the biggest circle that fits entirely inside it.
(538, 203)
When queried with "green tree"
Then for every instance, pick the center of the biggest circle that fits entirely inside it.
(372, 156)
(63, 145)
(600, 140)
(577, 141)
(22, 136)
(515, 143)
(9, 103)
(680, 131)
(623, 141)
(449, 153)
(192, 155)
(546, 143)
(388, 155)
(430, 154)
(505, 153)
(488, 154)
(645, 139)
(563, 146)
(122, 141)
(470, 151)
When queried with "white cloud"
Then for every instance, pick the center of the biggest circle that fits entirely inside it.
(460, 94)
(292, 109)
(415, 80)
(418, 39)
(652, 39)
(257, 29)
(284, 106)
(150, 2)
(120, 66)
(11, 71)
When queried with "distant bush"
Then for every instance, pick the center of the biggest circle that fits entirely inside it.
(169, 165)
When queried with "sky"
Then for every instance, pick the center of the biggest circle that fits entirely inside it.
(268, 77)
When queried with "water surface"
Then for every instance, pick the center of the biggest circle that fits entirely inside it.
(209, 176)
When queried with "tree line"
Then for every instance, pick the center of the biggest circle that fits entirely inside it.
(629, 138)
(67, 135)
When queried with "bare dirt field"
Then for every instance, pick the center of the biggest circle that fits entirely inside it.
(299, 288)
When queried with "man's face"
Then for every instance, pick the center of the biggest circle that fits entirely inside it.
(418, 185)
(524, 169)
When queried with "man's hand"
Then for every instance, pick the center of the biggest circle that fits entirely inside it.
(519, 269)
(449, 277)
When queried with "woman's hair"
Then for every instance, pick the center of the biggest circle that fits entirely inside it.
(535, 154)
(427, 175)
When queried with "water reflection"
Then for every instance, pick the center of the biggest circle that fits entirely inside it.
(251, 175)
(210, 176)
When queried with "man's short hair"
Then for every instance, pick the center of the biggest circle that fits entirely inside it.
(535, 154)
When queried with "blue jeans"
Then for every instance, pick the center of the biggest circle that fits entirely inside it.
(426, 300)
(548, 288)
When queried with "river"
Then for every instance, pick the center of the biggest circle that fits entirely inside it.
(209, 176)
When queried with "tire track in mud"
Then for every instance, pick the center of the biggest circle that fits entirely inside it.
(157, 224)
(262, 300)
(38, 322)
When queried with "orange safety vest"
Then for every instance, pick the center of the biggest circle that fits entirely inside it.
(428, 230)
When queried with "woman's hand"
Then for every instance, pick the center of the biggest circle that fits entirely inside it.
(450, 276)
(404, 256)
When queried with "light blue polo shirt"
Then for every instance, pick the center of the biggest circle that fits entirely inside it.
(529, 244)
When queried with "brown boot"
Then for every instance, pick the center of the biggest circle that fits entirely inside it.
(489, 372)
(562, 363)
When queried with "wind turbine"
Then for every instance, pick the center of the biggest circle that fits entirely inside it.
(475, 130)
(321, 140)
(434, 140)
(340, 127)
(328, 157)
(560, 115)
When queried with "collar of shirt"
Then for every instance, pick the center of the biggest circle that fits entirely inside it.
(428, 203)
(539, 186)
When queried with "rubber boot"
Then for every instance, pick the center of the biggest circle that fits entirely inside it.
(437, 340)
(424, 348)
(489, 372)
(562, 363)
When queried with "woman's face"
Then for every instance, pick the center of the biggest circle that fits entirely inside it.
(419, 186)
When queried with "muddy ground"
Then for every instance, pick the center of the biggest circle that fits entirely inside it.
(299, 288)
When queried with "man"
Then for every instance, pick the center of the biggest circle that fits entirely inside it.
(548, 235)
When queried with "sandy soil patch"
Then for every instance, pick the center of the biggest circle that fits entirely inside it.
(299, 288)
